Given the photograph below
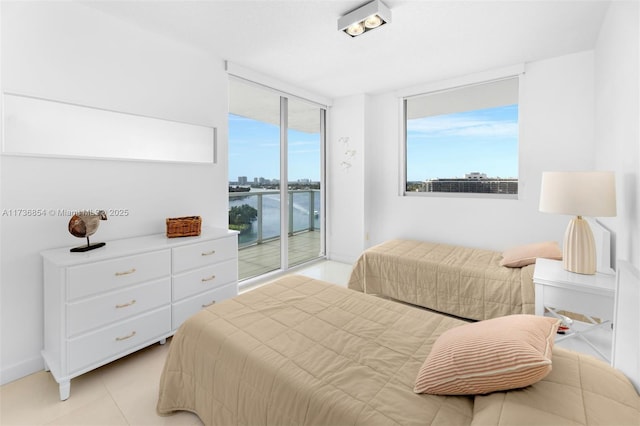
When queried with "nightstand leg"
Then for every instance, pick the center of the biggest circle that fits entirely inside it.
(539, 300)
(65, 390)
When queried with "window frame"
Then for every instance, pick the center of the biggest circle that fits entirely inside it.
(515, 71)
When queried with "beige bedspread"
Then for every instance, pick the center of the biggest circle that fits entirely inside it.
(580, 390)
(305, 352)
(461, 281)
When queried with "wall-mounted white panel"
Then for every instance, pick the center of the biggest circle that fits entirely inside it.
(626, 336)
(40, 127)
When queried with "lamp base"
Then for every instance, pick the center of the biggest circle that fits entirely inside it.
(579, 248)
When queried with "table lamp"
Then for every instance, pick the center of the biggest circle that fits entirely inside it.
(581, 194)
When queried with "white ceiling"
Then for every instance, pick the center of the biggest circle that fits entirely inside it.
(297, 41)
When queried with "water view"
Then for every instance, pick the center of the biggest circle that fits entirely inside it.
(304, 212)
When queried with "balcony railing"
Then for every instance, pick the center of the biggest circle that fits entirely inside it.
(304, 207)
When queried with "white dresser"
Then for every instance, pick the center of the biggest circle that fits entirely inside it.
(109, 302)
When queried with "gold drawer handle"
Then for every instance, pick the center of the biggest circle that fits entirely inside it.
(211, 278)
(130, 271)
(206, 305)
(124, 305)
(208, 253)
(119, 339)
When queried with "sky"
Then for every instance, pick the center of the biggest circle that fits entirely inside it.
(442, 146)
(254, 151)
(452, 145)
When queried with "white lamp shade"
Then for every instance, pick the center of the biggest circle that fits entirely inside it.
(578, 193)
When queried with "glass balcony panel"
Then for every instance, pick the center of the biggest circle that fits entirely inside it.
(259, 245)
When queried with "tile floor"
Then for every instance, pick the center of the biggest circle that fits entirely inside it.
(121, 393)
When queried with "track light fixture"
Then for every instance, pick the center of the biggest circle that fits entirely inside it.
(367, 17)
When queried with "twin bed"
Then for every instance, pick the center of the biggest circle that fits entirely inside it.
(303, 352)
(465, 282)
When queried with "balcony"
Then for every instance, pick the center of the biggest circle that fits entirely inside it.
(259, 246)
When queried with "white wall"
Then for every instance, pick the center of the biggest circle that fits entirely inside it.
(617, 91)
(345, 178)
(556, 117)
(69, 52)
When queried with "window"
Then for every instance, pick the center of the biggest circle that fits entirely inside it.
(463, 140)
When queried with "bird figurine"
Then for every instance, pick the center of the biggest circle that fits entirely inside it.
(83, 225)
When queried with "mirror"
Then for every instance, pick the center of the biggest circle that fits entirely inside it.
(40, 127)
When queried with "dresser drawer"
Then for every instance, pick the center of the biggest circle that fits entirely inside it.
(204, 253)
(203, 279)
(107, 275)
(184, 309)
(118, 338)
(114, 306)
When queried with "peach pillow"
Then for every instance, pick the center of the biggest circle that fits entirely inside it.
(493, 355)
(517, 257)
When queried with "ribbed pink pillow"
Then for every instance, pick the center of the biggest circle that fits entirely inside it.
(498, 354)
(517, 257)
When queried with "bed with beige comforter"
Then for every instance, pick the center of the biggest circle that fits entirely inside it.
(304, 352)
(461, 281)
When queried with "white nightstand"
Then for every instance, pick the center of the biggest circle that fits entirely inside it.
(590, 295)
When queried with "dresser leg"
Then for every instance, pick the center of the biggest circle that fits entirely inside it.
(163, 341)
(65, 390)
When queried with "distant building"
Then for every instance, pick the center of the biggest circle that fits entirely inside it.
(475, 175)
(242, 180)
(474, 182)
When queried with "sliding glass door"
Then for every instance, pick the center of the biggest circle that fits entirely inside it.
(304, 160)
(275, 178)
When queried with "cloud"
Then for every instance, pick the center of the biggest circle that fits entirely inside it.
(449, 125)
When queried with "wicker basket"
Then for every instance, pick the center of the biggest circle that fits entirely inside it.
(187, 226)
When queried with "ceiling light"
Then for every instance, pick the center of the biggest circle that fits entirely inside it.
(373, 21)
(367, 17)
(355, 29)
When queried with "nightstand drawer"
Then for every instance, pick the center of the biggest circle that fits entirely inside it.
(203, 279)
(184, 309)
(108, 275)
(118, 338)
(581, 303)
(205, 253)
(115, 306)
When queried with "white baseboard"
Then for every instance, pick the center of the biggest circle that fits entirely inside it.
(21, 369)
